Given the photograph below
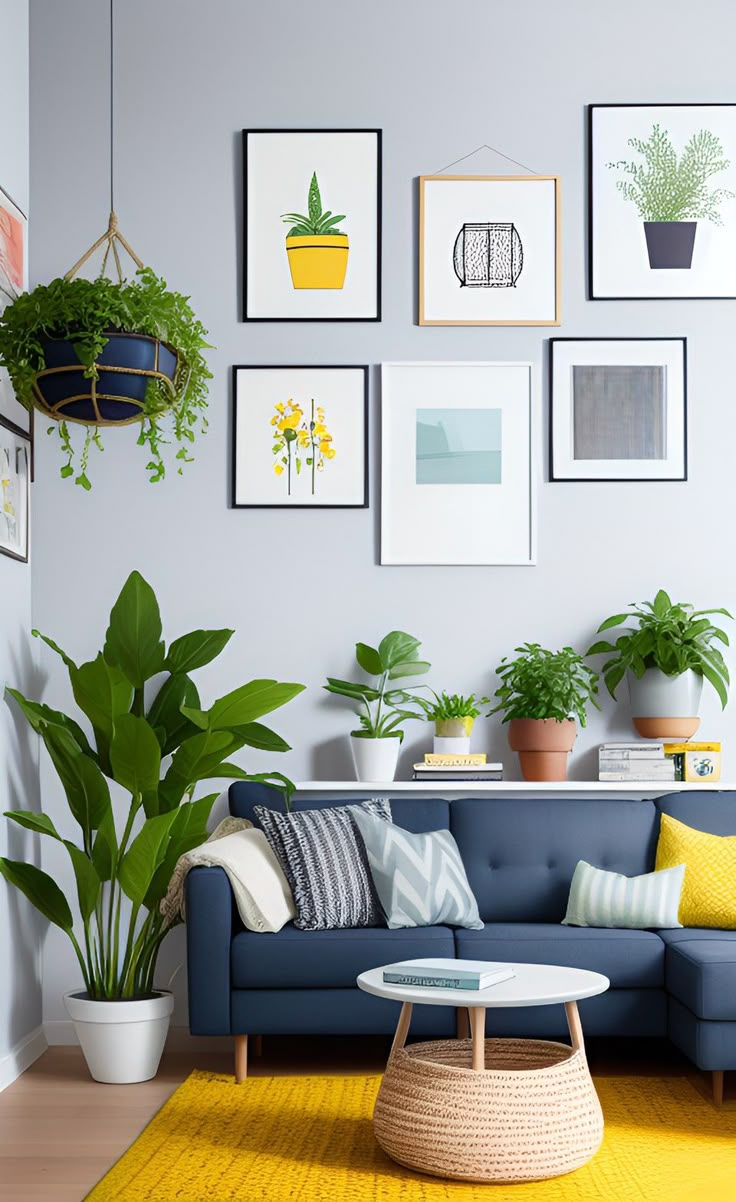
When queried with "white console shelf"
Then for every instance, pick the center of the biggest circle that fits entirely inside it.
(340, 789)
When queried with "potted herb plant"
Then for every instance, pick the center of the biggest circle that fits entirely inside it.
(102, 353)
(317, 252)
(453, 717)
(384, 705)
(672, 194)
(665, 657)
(155, 743)
(541, 694)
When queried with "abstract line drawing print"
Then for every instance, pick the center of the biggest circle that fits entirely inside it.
(488, 254)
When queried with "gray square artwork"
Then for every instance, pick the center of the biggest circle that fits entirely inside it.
(458, 446)
(619, 412)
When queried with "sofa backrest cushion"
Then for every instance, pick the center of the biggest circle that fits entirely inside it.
(714, 813)
(415, 814)
(520, 853)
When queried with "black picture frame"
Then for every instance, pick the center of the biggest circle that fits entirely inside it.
(24, 436)
(379, 223)
(559, 479)
(591, 108)
(360, 367)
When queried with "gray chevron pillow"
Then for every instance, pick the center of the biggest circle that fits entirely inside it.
(420, 879)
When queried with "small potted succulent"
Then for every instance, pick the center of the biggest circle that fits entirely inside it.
(453, 717)
(317, 252)
(384, 705)
(665, 657)
(541, 694)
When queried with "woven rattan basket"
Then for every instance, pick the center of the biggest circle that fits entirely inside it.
(532, 1114)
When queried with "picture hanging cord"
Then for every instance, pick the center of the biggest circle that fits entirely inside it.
(112, 103)
(484, 146)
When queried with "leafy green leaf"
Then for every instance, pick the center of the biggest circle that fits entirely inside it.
(195, 760)
(255, 734)
(368, 659)
(88, 882)
(103, 693)
(347, 688)
(314, 200)
(165, 713)
(40, 823)
(37, 713)
(397, 648)
(616, 620)
(85, 786)
(41, 890)
(250, 702)
(133, 642)
(144, 856)
(188, 830)
(135, 756)
(416, 667)
(105, 847)
(45, 638)
(194, 650)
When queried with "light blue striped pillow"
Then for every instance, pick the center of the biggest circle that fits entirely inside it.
(608, 899)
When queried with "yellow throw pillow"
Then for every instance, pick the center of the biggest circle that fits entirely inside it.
(709, 893)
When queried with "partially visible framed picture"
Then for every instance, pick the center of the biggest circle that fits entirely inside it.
(300, 437)
(618, 409)
(662, 201)
(13, 281)
(489, 250)
(15, 491)
(457, 481)
(312, 210)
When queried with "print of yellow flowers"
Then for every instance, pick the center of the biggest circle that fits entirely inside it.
(297, 440)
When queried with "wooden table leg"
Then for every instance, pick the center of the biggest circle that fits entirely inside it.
(462, 1023)
(402, 1028)
(575, 1027)
(477, 1016)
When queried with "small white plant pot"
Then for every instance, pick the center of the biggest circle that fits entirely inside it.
(375, 759)
(122, 1041)
(665, 707)
(456, 745)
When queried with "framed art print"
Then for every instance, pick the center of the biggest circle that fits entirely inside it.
(618, 409)
(312, 209)
(15, 491)
(300, 437)
(456, 471)
(662, 201)
(489, 250)
(13, 281)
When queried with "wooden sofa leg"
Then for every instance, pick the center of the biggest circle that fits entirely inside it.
(241, 1058)
(716, 1078)
(462, 1021)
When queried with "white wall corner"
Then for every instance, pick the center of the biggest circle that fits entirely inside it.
(22, 1056)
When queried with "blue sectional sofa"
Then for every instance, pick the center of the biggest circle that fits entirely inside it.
(519, 855)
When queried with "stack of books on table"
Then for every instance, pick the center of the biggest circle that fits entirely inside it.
(447, 974)
(457, 768)
(665, 761)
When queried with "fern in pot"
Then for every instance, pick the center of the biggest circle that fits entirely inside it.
(666, 652)
(454, 717)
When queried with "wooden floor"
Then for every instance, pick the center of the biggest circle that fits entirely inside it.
(60, 1131)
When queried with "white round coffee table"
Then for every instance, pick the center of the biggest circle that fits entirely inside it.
(490, 1109)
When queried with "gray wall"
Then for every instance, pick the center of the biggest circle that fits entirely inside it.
(301, 587)
(20, 994)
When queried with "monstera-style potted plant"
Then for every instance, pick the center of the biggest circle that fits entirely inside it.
(317, 251)
(384, 705)
(453, 716)
(152, 739)
(96, 353)
(665, 654)
(541, 694)
(671, 195)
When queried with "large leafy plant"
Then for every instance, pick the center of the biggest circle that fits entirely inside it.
(152, 738)
(671, 636)
(545, 684)
(665, 188)
(86, 312)
(314, 221)
(384, 706)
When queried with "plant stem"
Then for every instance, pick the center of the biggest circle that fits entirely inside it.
(314, 457)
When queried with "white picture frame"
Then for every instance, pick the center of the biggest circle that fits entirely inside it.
(645, 242)
(489, 250)
(458, 463)
(618, 409)
(13, 281)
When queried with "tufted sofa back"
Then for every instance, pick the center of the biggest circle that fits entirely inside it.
(520, 853)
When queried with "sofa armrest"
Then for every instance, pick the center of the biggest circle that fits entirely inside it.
(209, 903)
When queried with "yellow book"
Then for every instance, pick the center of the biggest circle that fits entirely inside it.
(682, 748)
(455, 761)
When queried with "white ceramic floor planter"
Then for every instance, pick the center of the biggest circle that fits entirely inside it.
(122, 1041)
(665, 707)
(375, 759)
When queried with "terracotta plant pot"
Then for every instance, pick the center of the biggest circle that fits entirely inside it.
(543, 745)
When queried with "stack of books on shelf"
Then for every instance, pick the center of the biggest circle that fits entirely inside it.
(665, 761)
(457, 767)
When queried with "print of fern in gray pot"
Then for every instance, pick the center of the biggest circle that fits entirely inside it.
(488, 254)
(671, 194)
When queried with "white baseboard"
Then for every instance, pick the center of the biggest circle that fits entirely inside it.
(60, 1033)
(21, 1057)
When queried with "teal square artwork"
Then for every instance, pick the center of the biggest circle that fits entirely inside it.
(458, 446)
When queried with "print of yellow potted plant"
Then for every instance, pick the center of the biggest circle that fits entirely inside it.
(293, 435)
(317, 252)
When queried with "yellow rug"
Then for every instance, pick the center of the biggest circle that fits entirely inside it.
(309, 1139)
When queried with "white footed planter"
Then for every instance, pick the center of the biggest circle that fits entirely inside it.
(454, 745)
(665, 707)
(122, 1041)
(375, 759)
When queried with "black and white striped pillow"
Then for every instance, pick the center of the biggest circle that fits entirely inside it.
(324, 860)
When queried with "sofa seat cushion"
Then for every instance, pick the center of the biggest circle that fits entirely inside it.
(294, 959)
(701, 973)
(630, 959)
